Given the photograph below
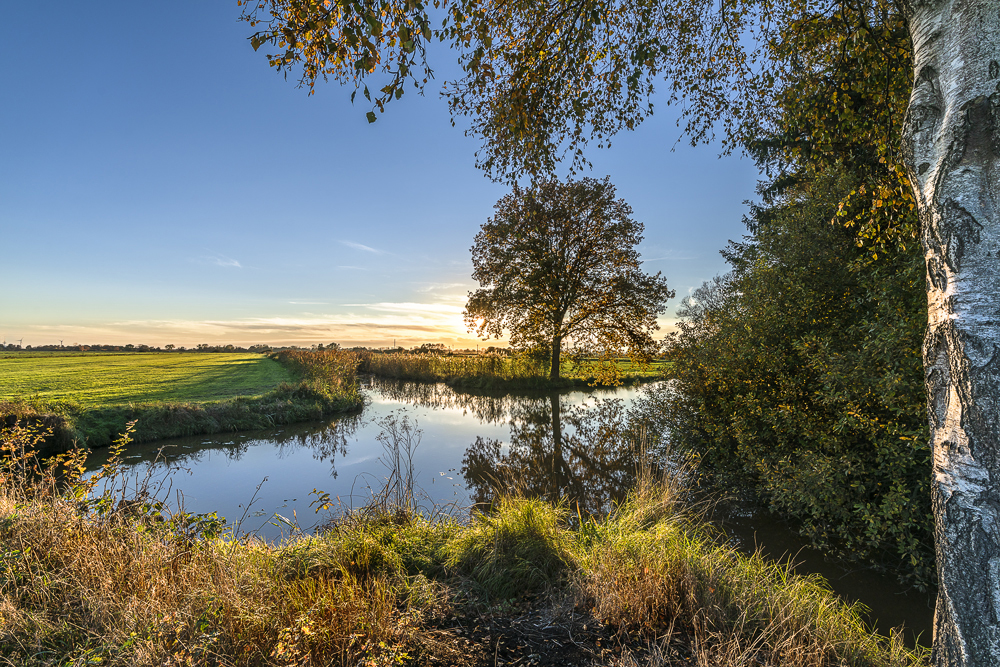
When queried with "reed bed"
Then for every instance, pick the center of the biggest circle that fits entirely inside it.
(333, 372)
(435, 368)
(494, 371)
(116, 579)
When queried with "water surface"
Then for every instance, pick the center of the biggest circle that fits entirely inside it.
(463, 446)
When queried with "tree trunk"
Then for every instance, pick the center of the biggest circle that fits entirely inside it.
(559, 467)
(556, 349)
(952, 144)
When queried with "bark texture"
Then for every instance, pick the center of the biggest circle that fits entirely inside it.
(952, 146)
(556, 358)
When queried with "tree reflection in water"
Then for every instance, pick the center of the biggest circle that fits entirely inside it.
(589, 456)
(487, 407)
(326, 442)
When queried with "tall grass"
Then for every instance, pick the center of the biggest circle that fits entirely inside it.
(434, 368)
(494, 371)
(646, 571)
(333, 372)
(116, 579)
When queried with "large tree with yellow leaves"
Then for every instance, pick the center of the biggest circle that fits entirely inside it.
(559, 261)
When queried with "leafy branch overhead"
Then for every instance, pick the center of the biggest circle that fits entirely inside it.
(543, 79)
(346, 41)
(559, 260)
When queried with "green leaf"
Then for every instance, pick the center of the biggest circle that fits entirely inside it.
(371, 117)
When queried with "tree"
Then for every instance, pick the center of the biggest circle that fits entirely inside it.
(558, 260)
(952, 146)
(797, 375)
(541, 78)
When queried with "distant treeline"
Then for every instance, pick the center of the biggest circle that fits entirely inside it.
(426, 348)
(260, 349)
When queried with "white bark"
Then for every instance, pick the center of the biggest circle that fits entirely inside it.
(952, 145)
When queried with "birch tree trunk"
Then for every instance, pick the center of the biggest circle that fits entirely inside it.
(952, 148)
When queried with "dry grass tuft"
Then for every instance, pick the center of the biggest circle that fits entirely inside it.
(648, 568)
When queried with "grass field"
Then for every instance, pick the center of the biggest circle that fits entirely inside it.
(87, 398)
(98, 378)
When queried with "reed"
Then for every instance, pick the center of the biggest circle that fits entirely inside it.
(494, 371)
(434, 368)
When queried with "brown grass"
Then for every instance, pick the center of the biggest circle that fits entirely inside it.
(113, 578)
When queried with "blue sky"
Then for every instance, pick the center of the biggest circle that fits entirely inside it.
(159, 183)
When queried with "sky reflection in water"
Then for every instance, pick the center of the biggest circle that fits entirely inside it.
(506, 438)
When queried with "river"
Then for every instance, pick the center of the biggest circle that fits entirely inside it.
(459, 447)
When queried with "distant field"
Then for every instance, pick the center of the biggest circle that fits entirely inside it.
(107, 378)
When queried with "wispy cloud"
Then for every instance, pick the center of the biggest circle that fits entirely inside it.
(415, 309)
(350, 324)
(361, 246)
(669, 255)
(219, 260)
(437, 287)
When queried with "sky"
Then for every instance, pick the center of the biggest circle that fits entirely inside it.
(159, 183)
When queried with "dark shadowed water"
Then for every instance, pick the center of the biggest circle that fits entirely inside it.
(463, 446)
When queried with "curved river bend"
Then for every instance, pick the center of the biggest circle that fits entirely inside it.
(549, 445)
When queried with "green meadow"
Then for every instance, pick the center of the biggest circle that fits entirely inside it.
(109, 378)
(87, 398)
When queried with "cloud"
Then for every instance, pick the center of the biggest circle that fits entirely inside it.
(219, 260)
(369, 324)
(669, 255)
(440, 309)
(434, 287)
(359, 246)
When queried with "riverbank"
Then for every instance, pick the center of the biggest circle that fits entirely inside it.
(493, 372)
(255, 392)
(648, 584)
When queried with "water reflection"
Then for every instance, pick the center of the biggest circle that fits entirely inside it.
(485, 406)
(325, 441)
(588, 456)
(582, 447)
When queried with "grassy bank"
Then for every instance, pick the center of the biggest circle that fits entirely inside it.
(384, 586)
(107, 378)
(172, 394)
(496, 372)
